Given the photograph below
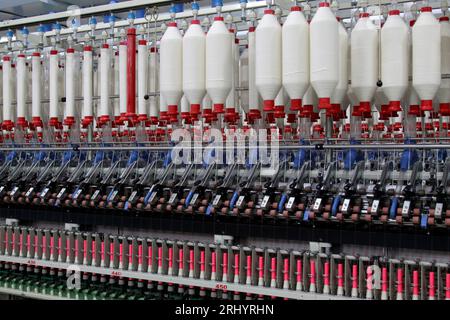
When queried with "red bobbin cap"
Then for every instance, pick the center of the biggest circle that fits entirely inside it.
(87, 48)
(296, 104)
(443, 19)
(105, 46)
(53, 52)
(324, 103)
(394, 106)
(172, 110)
(394, 12)
(412, 22)
(218, 18)
(364, 106)
(269, 11)
(142, 42)
(426, 105)
(172, 24)
(426, 9)
(195, 21)
(195, 108)
(296, 8)
(364, 15)
(36, 54)
(218, 108)
(251, 29)
(268, 105)
(21, 55)
(444, 109)
(70, 50)
(324, 4)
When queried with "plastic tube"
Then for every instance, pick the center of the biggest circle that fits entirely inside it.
(54, 89)
(142, 80)
(69, 118)
(123, 79)
(7, 94)
(253, 96)
(21, 90)
(36, 88)
(153, 84)
(105, 63)
(88, 114)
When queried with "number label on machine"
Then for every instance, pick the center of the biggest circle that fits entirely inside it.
(77, 193)
(240, 200)
(265, 201)
(317, 204)
(216, 200)
(221, 286)
(172, 198)
(94, 196)
(61, 193)
(375, 205)
(14, 190)
(290, 203)
(133, 195)
(405, 209)
(438, 210)
(29, 192)
(345, 205)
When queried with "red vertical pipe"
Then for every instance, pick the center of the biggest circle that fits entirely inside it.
(340, 275)
(111, 253)
(261, 268)
(131, 73)
(213, 263)
(447, 286)
(416, 283)
(36, 245)
(180, 262)
(93, 252)
(102, 249)
(160, 259)
(149, 256)
(400, 280)
(326, 275)
(312, 266)
(60, 247)
(432, 286)
(130, 255)
(140, 254)
(28, 245)
(67, 248)
(355, 276)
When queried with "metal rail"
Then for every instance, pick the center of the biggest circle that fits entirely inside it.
(207, 284)
(30, 294)
(132, 4)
